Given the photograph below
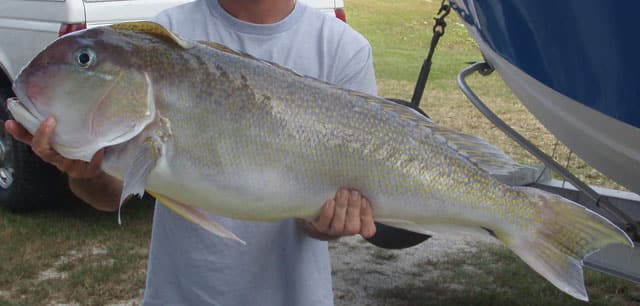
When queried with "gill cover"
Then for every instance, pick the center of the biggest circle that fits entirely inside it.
(124, 109)
(124, 113)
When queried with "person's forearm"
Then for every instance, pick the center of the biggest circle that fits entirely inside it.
(101, 192)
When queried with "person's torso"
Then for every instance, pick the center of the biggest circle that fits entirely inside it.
(280, 265)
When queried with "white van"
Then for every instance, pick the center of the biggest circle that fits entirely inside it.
(26, 27)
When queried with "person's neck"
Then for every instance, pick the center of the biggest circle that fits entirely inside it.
(258, 11)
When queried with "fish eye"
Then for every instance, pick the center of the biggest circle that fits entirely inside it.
(85, 57)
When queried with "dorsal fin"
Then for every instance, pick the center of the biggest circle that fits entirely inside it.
(473, 149)
(154, 29)
(223, 48)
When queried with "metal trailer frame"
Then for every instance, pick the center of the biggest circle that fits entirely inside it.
(622, 208)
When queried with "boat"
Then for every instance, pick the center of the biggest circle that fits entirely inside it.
(573, 65)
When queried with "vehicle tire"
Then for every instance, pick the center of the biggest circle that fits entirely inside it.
(389, 237)
(27, 183)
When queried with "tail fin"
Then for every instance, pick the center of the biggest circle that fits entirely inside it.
(563, 234)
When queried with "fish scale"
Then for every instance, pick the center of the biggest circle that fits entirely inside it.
(204, 127)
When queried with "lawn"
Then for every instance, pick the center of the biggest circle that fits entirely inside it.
(78, 255)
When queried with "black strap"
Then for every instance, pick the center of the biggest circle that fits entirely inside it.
(438, 31)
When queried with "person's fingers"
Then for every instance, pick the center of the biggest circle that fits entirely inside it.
(368, 228)
(352, 221)
(95, 165)
(323, 221)
(340, 211)
(40, 142)
(18, 131)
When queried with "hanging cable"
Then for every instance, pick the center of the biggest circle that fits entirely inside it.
(438, 31)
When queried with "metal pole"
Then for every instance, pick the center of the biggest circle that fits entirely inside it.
(484, 69)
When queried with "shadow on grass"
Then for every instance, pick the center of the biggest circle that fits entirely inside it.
(73, 213)
(4, 302)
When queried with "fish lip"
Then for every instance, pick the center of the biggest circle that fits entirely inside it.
(27, 107)
(25, 102)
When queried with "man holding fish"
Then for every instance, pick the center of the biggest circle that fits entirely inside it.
(281, 264)
(200, 125)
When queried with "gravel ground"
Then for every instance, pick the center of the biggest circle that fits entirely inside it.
(361, 271)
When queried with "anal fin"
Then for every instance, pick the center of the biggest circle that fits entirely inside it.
(196, 216)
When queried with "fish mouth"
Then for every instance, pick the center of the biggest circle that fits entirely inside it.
(31, 121)
(25, 101)
(25, 112)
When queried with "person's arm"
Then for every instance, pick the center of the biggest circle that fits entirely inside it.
(86, 179)
(102, 192)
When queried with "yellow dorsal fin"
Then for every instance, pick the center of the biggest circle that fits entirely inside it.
(155, 29)
(224, 48)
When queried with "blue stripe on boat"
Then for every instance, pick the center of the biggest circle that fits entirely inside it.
(585, 49)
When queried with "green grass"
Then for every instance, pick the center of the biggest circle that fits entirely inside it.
(106, 261)
(399, 32)
(493, 275)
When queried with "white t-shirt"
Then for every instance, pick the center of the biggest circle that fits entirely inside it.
(280, 265)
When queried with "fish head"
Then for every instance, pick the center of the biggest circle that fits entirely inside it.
(92, 84)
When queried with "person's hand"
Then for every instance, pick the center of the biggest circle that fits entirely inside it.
(40, 144)
(348, 213)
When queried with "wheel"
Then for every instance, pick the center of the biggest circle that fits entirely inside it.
(26, 182)
(394, 238)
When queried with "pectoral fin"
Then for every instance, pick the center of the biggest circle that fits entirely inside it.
(135, 179)
(196, 216)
